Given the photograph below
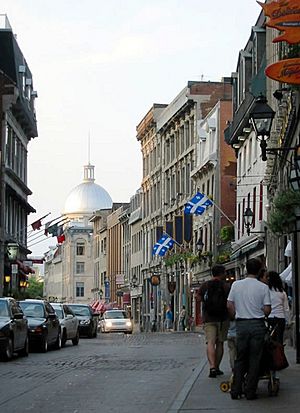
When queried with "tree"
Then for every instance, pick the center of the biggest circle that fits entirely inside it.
(35, 288)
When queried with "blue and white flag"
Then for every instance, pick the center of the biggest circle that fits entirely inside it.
(163, 245)
(198, 204)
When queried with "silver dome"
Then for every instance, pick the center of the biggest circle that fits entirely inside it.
(87, 197)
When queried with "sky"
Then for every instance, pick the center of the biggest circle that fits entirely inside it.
(98, 66)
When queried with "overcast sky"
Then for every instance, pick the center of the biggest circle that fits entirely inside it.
(98, 66)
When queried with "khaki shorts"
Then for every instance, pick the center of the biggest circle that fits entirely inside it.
(216, 331)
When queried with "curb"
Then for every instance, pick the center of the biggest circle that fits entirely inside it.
(184, 392)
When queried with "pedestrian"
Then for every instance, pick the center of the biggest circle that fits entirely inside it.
(249, 301)
(213, 296)
(280, 314)
(182, 316)
(263, 276)
(169, 319)
(231, 343)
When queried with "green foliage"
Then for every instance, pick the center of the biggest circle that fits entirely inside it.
(177, 257)
(223, 257)
(282, 217)
(227, 233)
(35, 288)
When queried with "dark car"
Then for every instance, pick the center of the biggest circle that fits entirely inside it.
(69, 323)
(13, 329)
(88, 319)
(43, 324)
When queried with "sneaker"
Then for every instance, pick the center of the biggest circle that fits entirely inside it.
(212, 373)
(219, 372)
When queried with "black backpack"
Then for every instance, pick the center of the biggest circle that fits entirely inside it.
(215, 299)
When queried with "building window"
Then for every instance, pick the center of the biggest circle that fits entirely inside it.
(79, 289)
(80, 248)
(79, 267)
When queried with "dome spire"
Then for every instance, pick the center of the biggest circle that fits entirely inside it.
(89, 170)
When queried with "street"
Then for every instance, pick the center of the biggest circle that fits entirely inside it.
(112, 373)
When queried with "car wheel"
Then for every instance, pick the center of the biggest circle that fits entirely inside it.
(25, 350)
(8, 350)
(75, 340)
(44, 343)
(57, 344)
(64, 338)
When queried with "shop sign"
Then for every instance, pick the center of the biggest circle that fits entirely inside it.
(285, 71)
(284, 16)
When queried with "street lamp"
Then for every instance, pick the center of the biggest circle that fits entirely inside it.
(248, 219)
(262, 116)
(199, 246)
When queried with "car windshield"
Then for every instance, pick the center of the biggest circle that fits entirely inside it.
(33, 310)
(115, 314)
(3, 309)
(59, 312)
(80, 310)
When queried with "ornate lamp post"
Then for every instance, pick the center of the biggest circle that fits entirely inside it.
(262, 117)
(248, 219)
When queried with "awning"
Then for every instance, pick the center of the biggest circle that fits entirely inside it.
(246, 248)
(287, 275)
(25, 268)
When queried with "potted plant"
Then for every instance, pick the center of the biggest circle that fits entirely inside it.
(282, 217)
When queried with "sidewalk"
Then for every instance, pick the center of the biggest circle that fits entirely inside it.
(203, 394)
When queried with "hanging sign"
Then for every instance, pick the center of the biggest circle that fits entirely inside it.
(284, 16)
(285, 71)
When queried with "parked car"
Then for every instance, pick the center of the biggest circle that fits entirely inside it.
(13, 329)
(88, 319)
(43, 324)
(69, 323)
(115, 321)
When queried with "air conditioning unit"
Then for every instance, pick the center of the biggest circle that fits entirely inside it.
(22, 69)
(28, 82)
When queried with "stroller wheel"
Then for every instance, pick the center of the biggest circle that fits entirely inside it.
(225, 386)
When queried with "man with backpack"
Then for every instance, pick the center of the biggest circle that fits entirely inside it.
(213, 295)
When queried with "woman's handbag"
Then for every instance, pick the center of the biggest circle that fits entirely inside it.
(278, 359)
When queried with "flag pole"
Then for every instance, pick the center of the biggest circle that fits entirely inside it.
(223, 213)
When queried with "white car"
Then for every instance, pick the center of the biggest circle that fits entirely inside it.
(115, 321)
(69, 323)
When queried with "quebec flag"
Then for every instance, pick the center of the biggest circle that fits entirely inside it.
(163, 245)
(198, 204)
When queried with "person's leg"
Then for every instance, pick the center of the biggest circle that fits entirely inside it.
(222, 332)
(241, 362)
(232, 351)
(219, 353)
(256, 345)
(211, 334)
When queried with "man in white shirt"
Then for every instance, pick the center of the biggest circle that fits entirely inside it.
(249, 302)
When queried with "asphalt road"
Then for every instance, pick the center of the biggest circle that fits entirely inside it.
(112, 373)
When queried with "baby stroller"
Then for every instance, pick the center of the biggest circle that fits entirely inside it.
(273, 359)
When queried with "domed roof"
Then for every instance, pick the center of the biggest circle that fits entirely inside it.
(87, 197)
